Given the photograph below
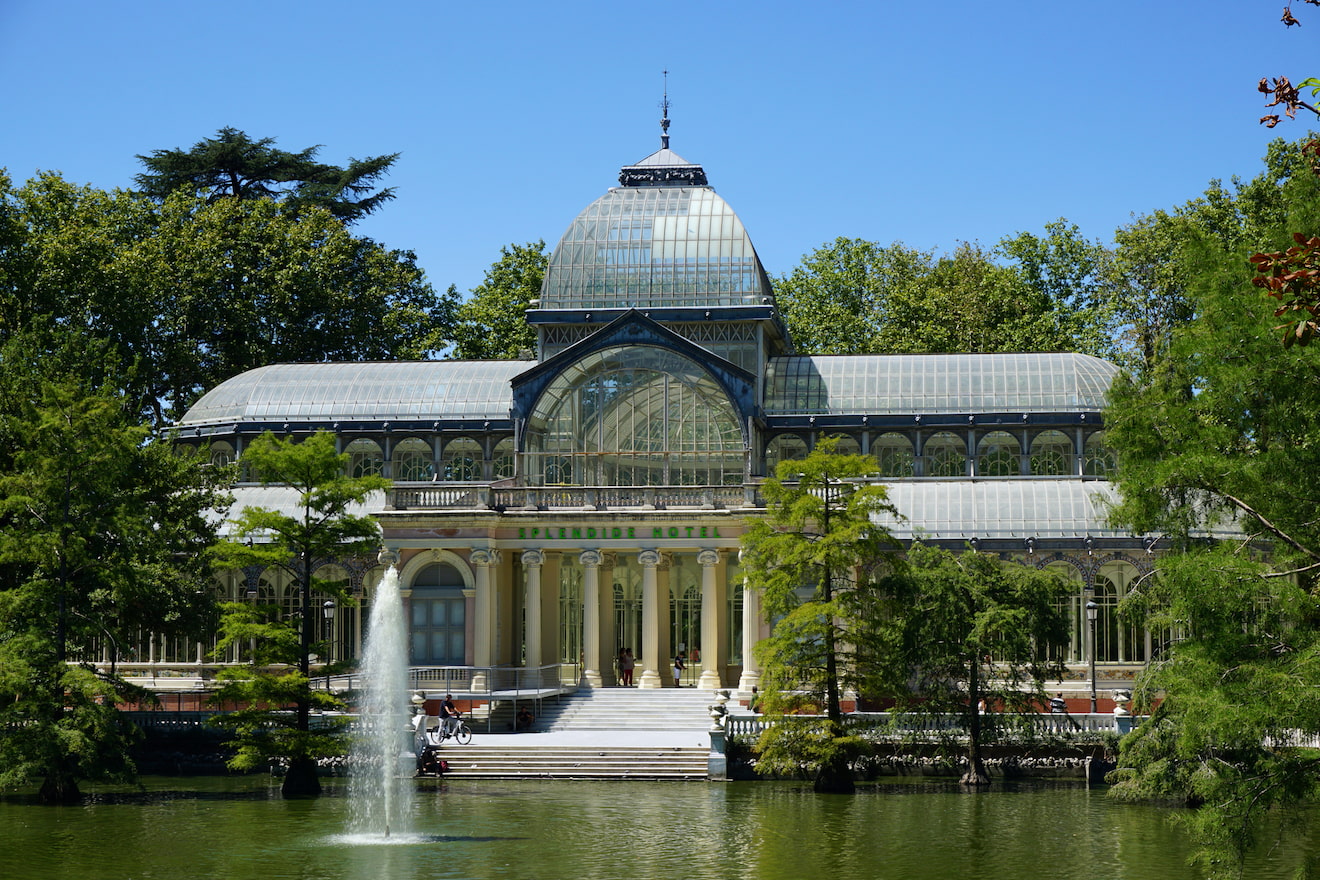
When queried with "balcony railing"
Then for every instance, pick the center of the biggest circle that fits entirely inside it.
(484, 496)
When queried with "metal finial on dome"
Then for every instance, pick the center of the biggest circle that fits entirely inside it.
(664, 120)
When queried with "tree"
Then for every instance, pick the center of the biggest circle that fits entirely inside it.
(491, 323)
(321, 528)
(1214, 446)
(968, 630)
(189, 294)
(103, 537)
(814, 558)
(858, 297)
(232, 165)
(837, 301)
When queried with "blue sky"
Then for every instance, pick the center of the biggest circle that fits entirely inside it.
(927, 123)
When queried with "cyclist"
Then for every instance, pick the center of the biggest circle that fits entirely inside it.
(449, 716)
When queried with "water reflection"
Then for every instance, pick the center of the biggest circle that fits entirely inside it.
(611, 830)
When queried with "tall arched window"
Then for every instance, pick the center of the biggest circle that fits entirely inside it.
(412, 460)
(1071, 605)
(632, 416)
(221, 454)
(894, 453)
(570, 613)
(1127, 641)
(945, 455)
(461, 460)
(503, 456)
(1098, 460)
(365, 458)
(998, 454)
(439, 617)
(1051, 454)
(785, 447)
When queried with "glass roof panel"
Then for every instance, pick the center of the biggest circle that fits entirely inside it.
(366, 391)
(959, 510)
(937, 383)
(653, 247)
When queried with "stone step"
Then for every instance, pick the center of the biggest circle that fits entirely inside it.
(629, 709)
(576, 762)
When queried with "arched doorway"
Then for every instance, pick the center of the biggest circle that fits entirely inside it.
(438, 617)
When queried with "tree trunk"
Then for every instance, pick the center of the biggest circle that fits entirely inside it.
(59, 789)
(835, 777)
(301, 780)
(975, 775)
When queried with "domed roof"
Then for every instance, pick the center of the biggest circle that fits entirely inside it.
(662, 240)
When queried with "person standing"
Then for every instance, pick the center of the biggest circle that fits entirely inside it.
(626, 664)
(678, 670)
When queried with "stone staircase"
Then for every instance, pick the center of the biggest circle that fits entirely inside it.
(606, 733)
(628, 709)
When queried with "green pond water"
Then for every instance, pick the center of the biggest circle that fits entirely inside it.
(182, 828)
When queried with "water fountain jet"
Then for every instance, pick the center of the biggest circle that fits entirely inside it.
(380, 788)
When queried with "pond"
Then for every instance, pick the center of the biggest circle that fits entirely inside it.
(183, 828)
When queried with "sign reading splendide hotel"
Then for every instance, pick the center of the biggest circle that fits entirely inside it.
(593, 533)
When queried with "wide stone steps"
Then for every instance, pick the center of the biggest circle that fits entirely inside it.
(628, 709)
(574, 762)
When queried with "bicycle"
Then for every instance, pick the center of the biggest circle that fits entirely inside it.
(461, 733)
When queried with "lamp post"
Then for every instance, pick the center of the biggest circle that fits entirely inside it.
(328, 613)
(1092, 611)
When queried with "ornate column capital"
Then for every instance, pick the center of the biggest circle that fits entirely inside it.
(533, 557)
(708, 557)
(648, 558)
(484, 556)
(590, 558)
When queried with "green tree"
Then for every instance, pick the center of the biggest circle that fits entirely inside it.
(965, 628)
(814, 558)
(859, 297)
(838, 300)
(190, 294)
(321, 525)
(232, 165)
(491, 324)
(1215, 443)
(103, 537)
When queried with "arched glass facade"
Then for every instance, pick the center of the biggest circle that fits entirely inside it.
(635, 416)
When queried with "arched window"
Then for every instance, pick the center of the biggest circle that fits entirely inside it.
(1051, 454)
(439, 617)
(365, 458)
(503, 459)
(412, 460)
(894, 453)
(998, 454)
(570, 614)
(945, 455)
(785, 447)
(337, 623)
(635, 415)
(846, 445)
(1116, 640)
(461, 461)
(1071, 605)
(221, 454)
(1097, 459)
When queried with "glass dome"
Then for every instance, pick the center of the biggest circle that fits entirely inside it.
(655, 247)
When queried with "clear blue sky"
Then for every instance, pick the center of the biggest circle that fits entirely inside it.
(927, 123)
